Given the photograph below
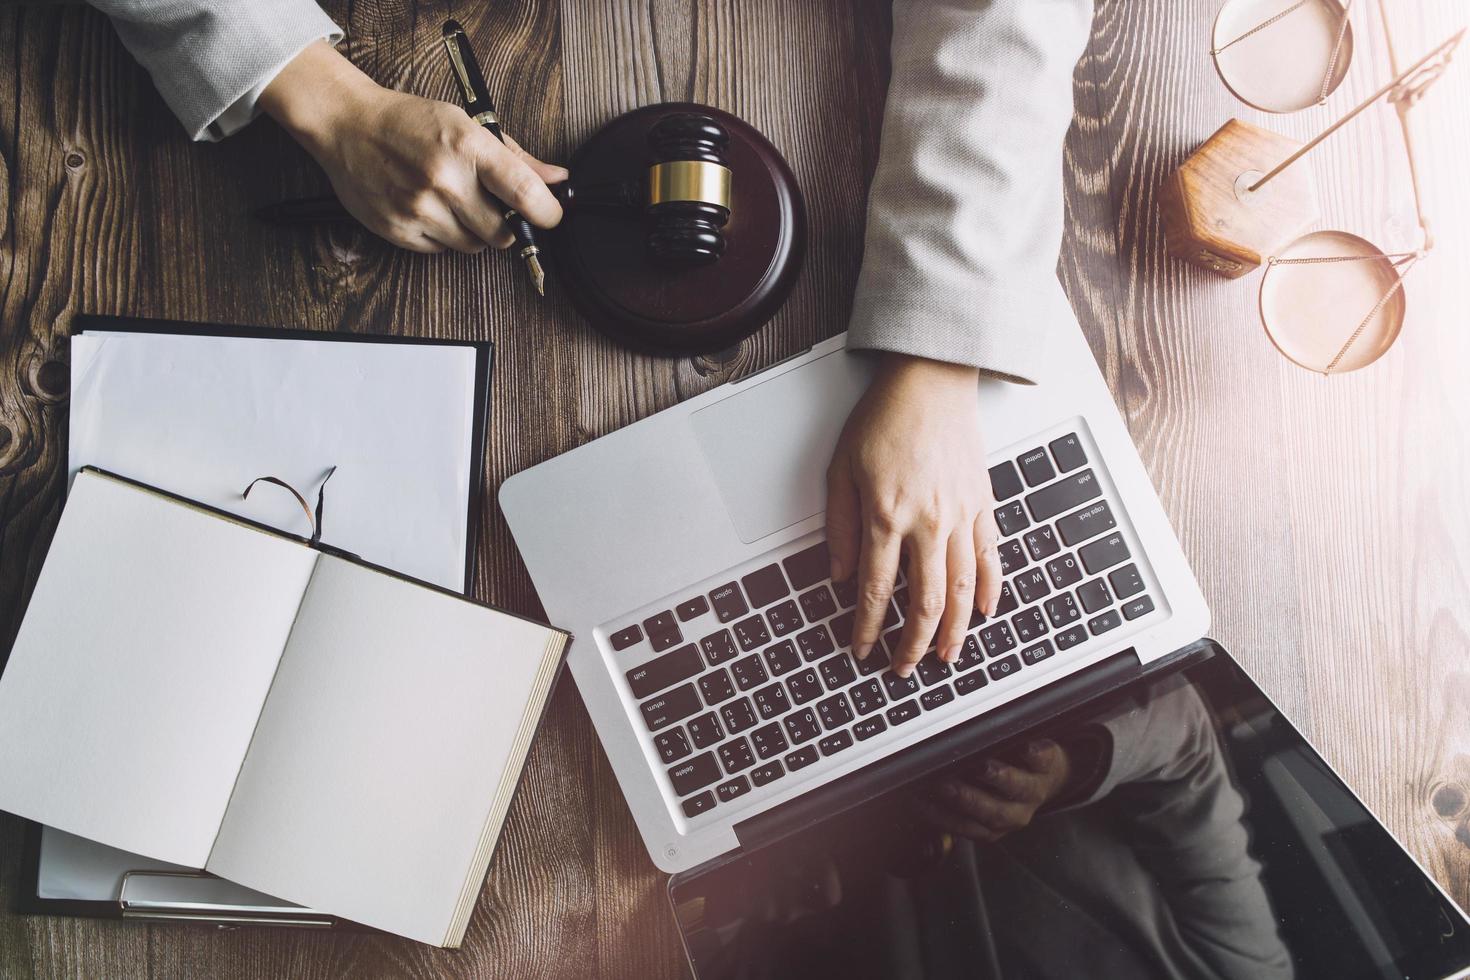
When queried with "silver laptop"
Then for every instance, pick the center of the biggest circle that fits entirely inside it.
(686, 553)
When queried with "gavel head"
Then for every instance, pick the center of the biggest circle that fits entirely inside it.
(688, 189)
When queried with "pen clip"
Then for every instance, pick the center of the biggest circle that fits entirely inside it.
(466, 69)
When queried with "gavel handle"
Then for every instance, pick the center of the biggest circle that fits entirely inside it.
(604, 195)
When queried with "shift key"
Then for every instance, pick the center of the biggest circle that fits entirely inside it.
(660, 672)
(1066, 493)
(668, 708)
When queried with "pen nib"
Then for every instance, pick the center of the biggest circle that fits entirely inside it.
(538, 277)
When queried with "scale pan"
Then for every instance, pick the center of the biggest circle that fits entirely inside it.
(1310, 310)
(1280, 67)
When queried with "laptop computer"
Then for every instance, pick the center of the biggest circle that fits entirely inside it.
(686, 554)
(685, 551)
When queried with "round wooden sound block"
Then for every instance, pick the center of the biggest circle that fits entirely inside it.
(601, 256)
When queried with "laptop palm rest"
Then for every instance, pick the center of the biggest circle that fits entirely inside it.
(769, 444)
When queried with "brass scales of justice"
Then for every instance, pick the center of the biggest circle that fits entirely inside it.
(1330, 301)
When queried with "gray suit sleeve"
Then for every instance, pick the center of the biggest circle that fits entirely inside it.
(965, 210)
(211, 61)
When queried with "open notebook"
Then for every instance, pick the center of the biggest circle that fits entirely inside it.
(199, 690)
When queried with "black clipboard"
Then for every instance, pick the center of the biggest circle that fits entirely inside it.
(29, 901)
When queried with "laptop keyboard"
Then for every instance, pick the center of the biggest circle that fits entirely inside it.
(747, 681)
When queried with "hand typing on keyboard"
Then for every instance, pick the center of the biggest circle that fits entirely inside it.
(996, 797)
(908, 480)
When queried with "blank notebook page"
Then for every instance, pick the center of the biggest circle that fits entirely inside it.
(145, 655)
(385, 744)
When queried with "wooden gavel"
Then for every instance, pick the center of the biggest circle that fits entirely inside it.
(683, 196)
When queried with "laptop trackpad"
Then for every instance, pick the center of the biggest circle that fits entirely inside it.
(768, 446)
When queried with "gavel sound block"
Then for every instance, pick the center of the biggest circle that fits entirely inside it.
(684, 230)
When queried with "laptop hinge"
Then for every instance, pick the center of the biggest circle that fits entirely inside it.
(1083, 690)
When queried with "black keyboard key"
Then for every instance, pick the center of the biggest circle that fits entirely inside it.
(624, 638)
(876, 660)
(784, 618)
(691, 608)
(802, 726)
(835, 742)
(931, 670)
(1103, 553)
(1126, 582)
(751, 633)
(1042, 542)
(976, 618)
(970, 683)
(665, 671)
(900, 687)
(1104, 622)
(1012, 556)
(1141, 606)
(837, 671)
(1062, 609)
(834, 711)
(1007, 602)
(818, 604)
(805, 686)
(672, 745)
(900, 713)
(1070, 637)
(1005, 483)
(1034, 655)
(749, 672)
(842, 630)
(1011, 519)
(728, 602)
(738, 715)
(727, 791)
(1064, 571)
(771, 701)
(765, 585)
(869, 727)
(736, 756)
(867, 697)
(718, 648)
(802, 758)
(1087, 523)
(1065, 494)
(846, 592)
(1029, 624)
(769, 740)
(1068, 452)
(1003, 668)
(696, 805)
(768, 773)
(661, 623)
(716, 687)
(971, 655)
(672, 706)
(782, 658)
(807, 568)
(1036, 467)
(936, 696)
(891, 618)
(695, 774)
(815, 643)
(1031, 585)
(705, 730)
(1094, 595)
(997, 639)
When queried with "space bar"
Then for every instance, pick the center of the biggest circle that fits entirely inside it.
(1065, 494)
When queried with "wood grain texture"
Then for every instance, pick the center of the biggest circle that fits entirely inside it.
(1325, 517)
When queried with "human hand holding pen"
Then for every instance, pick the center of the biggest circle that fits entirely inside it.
(416, 171)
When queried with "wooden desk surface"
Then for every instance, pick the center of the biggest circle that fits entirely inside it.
(1326, 518)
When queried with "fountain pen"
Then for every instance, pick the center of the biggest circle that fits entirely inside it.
(478, 104)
